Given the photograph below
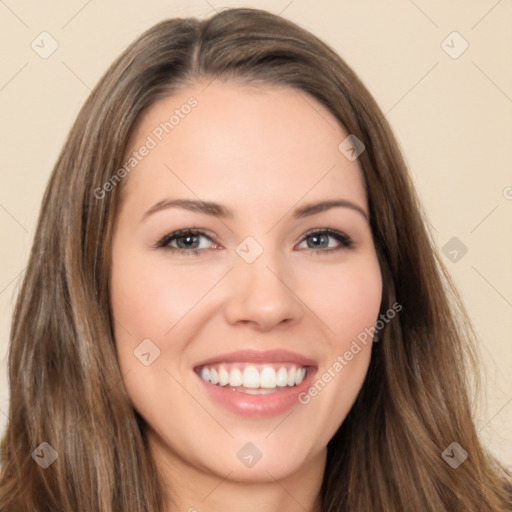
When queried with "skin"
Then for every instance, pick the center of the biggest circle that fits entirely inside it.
(262, 152)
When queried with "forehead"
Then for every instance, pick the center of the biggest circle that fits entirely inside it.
(229, 142)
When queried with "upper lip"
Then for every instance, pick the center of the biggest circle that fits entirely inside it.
(258, 356)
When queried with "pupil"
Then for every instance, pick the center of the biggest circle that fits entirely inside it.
(317, 238)
(188, 238)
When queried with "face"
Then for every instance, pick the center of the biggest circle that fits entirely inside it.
(239, 320)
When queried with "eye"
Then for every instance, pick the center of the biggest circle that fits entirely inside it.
(320, 237)
(186, 239)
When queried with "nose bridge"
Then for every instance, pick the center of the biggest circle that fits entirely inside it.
(262, 286)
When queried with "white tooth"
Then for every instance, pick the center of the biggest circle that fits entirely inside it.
(299, 375)
(251, 377)
(282, 377)
(235, 377)
(291, 376)
(268, 377)
(223, 377)
(205, 374)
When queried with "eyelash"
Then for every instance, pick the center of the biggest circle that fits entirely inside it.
(346, 241)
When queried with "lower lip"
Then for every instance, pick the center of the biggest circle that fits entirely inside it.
(258, 406)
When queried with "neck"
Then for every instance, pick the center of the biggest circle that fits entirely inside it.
(195, 489)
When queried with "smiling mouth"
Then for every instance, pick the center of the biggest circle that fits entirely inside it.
(253, 379)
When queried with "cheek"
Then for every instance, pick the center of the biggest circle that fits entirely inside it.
(346, 298)
(161, 303)
(149, 299)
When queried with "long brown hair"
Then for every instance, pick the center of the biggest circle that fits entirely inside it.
(65, 382)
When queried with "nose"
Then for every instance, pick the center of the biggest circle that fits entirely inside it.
(262, 293)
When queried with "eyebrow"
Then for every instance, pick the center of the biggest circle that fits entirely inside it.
(220, 211)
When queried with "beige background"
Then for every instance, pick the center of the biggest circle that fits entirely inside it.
(452, 117)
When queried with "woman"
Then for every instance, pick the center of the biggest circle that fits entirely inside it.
(254, 371)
